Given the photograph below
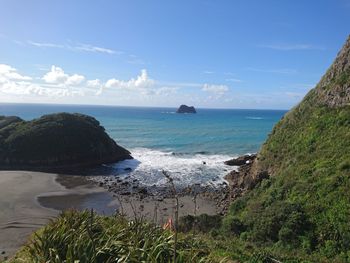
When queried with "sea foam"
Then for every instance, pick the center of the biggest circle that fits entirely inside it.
(185, 169)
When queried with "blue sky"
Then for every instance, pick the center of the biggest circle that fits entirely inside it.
(215, 54)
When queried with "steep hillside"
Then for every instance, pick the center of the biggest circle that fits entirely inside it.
(305, 202)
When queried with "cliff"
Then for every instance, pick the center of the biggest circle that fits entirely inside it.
(303, 200)
(56, 141)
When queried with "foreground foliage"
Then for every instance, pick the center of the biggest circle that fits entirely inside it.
(87, 237)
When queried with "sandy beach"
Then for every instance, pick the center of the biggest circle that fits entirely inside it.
(20, 211)
(28, 200)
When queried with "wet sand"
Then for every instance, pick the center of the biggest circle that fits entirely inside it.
(21, 213)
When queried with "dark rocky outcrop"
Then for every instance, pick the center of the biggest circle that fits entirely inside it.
(56, 141)
(186, 109)
(241, 160)
(245, 178)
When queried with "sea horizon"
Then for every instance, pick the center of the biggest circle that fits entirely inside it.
(134, 106)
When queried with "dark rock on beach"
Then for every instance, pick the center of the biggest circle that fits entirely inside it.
(56, 141)
(246, 177)
(186, 109)
(248, 158)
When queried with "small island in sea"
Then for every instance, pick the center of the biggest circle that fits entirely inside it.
(186, 109)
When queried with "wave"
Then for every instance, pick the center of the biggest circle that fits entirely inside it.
(186, 169)
(254, 118)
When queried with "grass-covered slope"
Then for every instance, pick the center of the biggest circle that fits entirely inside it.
(60, 140)
(305, 204)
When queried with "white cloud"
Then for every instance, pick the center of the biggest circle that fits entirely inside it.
(208, 72)
(57, 76)
(8, 72)
(45, 45)
(288, 47)
(91, 48)
(24, 88)
(141, 82)
(75, 47)
(15, 84)
(277, 71)
(75, 79)
(95, 83)
(166, 91)
(56, 85)
(216, 89)
(234, 80)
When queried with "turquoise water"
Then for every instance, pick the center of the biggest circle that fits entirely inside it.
(158, 138)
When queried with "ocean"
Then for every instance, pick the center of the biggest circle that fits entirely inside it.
(191, 147)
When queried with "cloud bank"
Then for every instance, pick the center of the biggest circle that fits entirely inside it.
(57, 84)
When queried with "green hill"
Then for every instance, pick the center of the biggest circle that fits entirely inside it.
(305, 202)
(56, 141)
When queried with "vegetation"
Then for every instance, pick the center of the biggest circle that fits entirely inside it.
(304, 207)
(56, 140)
(87, 237)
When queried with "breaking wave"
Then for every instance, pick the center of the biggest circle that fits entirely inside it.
(185, 169)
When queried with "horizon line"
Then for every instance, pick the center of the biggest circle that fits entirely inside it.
(133, 106)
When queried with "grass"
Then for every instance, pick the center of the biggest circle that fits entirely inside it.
(304, 208)
(87, 237)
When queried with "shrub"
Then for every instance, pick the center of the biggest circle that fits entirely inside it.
(203, 223)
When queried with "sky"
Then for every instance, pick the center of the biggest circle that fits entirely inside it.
(212, 54)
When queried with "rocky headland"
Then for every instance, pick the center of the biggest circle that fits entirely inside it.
(56, 141)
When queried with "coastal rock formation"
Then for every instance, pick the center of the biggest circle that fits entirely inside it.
(301, 173)
(186, 109)
(56, 141)
(248, 158)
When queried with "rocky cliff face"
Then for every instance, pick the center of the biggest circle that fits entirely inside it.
(334, 88)
(56, 141)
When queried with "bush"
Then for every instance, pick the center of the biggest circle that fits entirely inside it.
(282, 221)
(203, 223)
